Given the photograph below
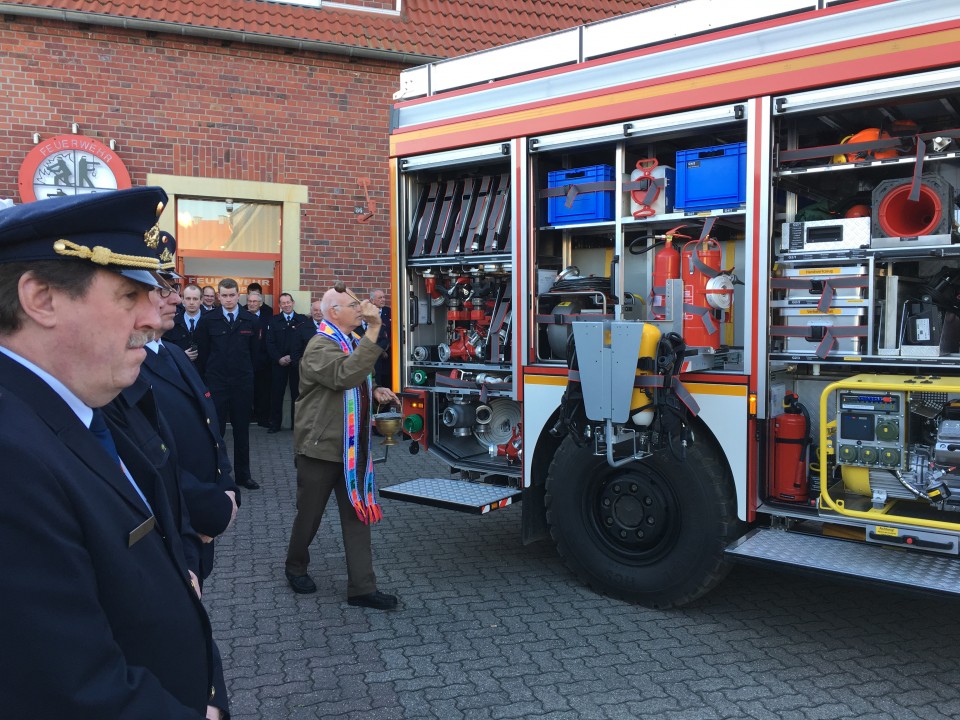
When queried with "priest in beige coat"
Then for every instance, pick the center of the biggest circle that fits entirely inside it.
(332, 444)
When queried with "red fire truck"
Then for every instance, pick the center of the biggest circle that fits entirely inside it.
(687, 282)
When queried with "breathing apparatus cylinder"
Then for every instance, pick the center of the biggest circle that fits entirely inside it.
(666, 267)
(699, 264)
(641, 401)
(791, 436)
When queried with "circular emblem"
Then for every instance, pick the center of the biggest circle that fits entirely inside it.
(70, 165)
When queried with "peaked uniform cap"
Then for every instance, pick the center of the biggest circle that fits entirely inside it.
(167, 255)
(116, 230)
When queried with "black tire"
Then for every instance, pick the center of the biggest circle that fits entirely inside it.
(650, 532)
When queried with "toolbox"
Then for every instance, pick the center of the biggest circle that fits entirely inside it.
(711, 178)
(588, 205)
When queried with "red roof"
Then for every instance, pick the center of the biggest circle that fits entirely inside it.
(440, 28)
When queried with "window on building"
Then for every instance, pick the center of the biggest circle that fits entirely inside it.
(228, 225)
(390, 6)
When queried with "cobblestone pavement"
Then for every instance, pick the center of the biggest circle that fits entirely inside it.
(488, 628)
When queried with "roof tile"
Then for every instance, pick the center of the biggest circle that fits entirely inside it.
(437, 28)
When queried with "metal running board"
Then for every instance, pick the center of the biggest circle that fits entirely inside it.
(459, 495)
(904, 569)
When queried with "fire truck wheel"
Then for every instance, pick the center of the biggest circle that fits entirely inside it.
(650, 532)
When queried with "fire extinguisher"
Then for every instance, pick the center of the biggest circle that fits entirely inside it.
(705, 288)
(666, 267)
(791, 438)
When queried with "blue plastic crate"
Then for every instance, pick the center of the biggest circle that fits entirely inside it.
(711, 177)
(587, 206)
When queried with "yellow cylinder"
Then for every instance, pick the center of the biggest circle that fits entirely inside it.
(641, 409)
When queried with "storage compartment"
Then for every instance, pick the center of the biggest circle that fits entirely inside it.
(841, 331)
(711, 177)
(590, 204)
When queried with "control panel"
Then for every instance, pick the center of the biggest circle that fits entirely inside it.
(872, 429)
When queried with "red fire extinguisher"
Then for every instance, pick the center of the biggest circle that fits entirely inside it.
(700, 269)
(666, 267)
(791, 438)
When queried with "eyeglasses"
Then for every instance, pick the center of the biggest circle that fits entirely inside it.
(166, 292)
(354, 305)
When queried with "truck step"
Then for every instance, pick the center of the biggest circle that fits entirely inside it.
(469, 497)
(906, 569)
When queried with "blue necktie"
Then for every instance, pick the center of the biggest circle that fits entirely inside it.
(230, 318)
(193, 324)
(100, 431)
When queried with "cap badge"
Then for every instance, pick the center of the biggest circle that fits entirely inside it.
(152, 237)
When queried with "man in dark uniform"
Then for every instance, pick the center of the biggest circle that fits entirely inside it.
(227, 343)
(261, 363)
(382, 373)
(282, 341)
(185, 322)
(100, 619)
(307, 330)
(265, 310)
(185, 403)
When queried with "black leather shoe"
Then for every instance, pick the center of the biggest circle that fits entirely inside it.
(273, 430)
(376, 600)
(302, 584)
(248, 484)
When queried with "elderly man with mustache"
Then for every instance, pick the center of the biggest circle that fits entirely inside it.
(102, 617)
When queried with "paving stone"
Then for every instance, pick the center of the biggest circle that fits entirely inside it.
(488, 628)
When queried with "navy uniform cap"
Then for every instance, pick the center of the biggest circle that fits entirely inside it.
(167, 255)
(116, 230)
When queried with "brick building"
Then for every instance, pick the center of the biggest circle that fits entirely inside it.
(266, 122)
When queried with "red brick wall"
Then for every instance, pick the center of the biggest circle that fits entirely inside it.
(204, 109)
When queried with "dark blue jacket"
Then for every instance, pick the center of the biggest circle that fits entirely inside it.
(180, 334)
(227, 354)
(102, 627)
(205, 472)
(283, 338)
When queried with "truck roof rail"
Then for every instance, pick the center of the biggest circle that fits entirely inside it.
(649, 26)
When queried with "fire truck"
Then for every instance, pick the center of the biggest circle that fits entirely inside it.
(687, 283)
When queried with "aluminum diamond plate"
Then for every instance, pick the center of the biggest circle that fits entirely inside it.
(453, 494)
(905, 568)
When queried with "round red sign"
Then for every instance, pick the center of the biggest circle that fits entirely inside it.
(70, 165)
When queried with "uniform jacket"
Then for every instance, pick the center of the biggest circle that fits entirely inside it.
(180, 334)
(205, 471)
(383, 337)
(305, 333)
(283, 338)
(261, 362)
(227, 354)
(325, 373)
(93, 626)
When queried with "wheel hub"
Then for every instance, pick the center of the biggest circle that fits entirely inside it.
(633, 513)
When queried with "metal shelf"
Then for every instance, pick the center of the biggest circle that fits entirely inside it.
(485, 367)
(460, 260)
(843, 167)
(950, 361)
(670, 218)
